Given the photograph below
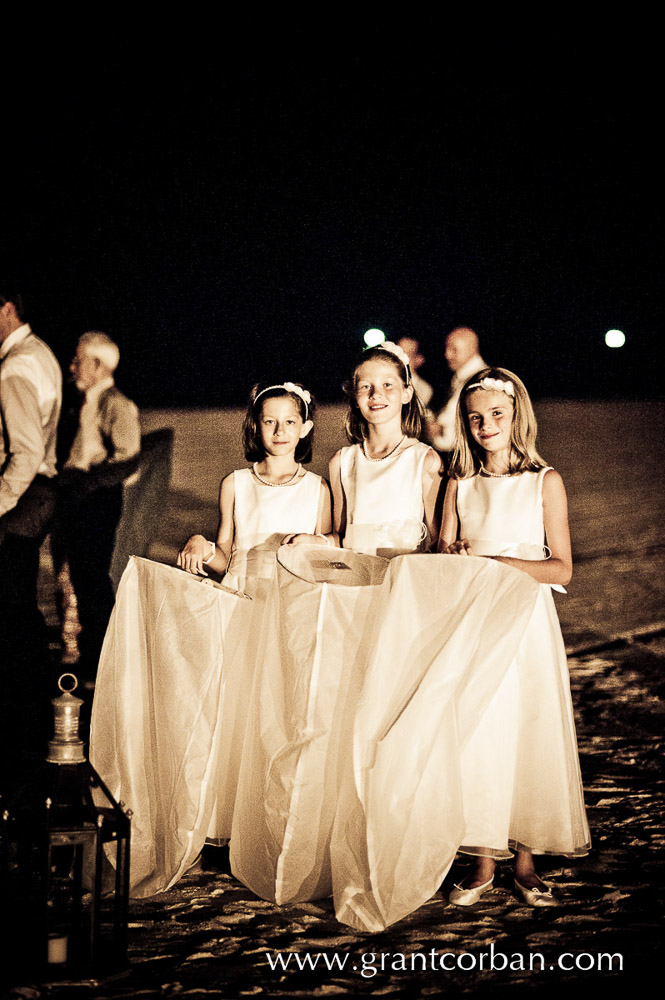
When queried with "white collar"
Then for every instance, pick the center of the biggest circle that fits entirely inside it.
(15, 337)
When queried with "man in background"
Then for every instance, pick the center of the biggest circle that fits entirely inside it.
(464, 360)
(411, 348)
(104, 451)
(30, 400)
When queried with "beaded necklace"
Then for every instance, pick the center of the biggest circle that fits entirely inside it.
(383, 457)
(495, 475)
(265, 481)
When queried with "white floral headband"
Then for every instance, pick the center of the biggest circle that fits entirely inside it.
(290, 387)
(493, 383)
(399, 352)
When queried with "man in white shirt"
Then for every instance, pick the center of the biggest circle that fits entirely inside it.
(30, 400)
(104, 452)
(464, 360)
(411, 348)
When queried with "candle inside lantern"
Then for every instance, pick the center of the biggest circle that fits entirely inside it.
(57, 949)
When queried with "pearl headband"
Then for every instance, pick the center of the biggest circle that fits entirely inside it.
(493, 383)
(290, 387)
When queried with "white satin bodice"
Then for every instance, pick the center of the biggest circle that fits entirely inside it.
(262, 516)
(503, 516)
(384, 501)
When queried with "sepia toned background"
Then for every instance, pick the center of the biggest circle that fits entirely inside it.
(210, 937)
(241, 198)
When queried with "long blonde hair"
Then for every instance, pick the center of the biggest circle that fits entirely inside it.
(468, 455)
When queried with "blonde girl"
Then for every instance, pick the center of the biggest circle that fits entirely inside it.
(520, 774)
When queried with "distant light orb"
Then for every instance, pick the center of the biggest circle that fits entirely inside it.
(374, 337)
(615, 338)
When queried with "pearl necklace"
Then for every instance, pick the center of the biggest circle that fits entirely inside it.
(383, 457)
(495, 475)
(265, 481)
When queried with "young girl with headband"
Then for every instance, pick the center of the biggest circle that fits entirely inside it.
(520, 773)
(269, 503)
(386, 483)
(175, 677)
(463, 731)
(299, 737)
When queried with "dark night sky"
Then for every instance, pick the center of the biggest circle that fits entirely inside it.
(246, 206)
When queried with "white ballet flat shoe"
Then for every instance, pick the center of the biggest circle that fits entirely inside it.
(461, 896)
(535, 897)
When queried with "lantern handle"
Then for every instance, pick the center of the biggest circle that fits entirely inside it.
(68, 690)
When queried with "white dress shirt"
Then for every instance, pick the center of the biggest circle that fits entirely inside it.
(423, 388)
(30, 400)
(445, 439)
(88, 447)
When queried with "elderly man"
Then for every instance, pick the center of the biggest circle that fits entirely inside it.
(103, 453)
(30, 400)
(464, 361)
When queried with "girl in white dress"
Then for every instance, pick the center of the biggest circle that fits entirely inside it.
(520, 776)
(400, 817)
(260, 509)
(385, 485)
(172, 696)
(318, 637)
(255, 517)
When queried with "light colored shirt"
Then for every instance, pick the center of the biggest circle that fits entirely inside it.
(445, 439)
(423, 388)
(109, 429)
(30, 400)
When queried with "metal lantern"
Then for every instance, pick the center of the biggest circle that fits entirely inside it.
(64, 862)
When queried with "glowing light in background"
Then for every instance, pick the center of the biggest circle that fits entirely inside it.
(615, 338)
(374, 337)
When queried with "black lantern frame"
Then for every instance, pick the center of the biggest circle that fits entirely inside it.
(64, 864)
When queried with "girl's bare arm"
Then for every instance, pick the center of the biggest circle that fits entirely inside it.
(338, 498)
(324, 517)
(197, 549)
(431, 486)
(449, 520)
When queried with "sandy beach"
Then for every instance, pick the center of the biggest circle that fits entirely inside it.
(607, 452)
(210, 937)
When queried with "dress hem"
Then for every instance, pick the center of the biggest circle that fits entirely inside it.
(503, 854)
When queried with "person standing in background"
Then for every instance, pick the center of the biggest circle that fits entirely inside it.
(423, 389)
(30, 401)
(464, 360)
(104, 452)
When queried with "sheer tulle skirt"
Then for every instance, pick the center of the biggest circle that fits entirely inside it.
(349, 732)
(318, 632)
(169, 713)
